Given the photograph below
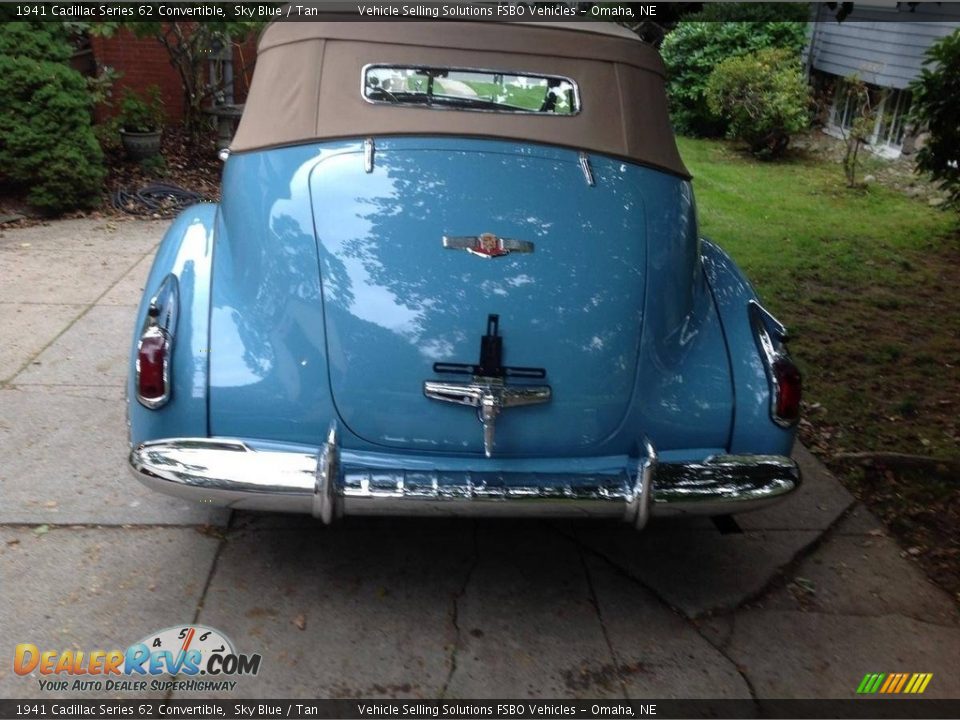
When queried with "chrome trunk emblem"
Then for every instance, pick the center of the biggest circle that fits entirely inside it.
(487, 392)
(487, 245)
(489, 396)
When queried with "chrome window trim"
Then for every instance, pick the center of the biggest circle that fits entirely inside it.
(578, 105)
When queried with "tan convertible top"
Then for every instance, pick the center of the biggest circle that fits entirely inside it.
(307, 85)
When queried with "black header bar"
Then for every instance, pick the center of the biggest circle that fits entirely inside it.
(363, 10)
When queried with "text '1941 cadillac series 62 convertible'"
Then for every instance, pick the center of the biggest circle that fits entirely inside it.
(456, 270)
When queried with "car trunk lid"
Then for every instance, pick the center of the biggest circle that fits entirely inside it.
(568, 291)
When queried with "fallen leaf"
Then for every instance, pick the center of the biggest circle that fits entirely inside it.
(300, 621)
(41, 530)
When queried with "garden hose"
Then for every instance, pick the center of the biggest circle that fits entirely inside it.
(156, 198)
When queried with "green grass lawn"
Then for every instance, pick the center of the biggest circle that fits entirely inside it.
(868, 281)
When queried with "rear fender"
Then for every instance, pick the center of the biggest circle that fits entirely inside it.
(754, 430)
(187, 253)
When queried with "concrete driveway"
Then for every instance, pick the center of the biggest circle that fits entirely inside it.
(803, 601)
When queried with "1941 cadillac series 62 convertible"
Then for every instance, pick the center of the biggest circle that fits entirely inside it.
(456, 270)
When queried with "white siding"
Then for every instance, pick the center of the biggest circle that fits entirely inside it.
(875, 45)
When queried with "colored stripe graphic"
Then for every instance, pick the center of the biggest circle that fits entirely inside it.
(891, 683)
(894, 683)
(870, 683)
(903, 679)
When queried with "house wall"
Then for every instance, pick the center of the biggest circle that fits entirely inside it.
(143, 62)
(875, 45)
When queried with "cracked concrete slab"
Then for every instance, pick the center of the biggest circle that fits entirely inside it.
(64, 462)
(528, 625)
(790, 654)
(405, 608)
(104, 236)
(818, 503)
(658, 653)
(361, 609)
(95, 589)
(129, 289)
(697, 571)
(26, 328)
(860, 521)
(93, 351)
(863, 575)
(61, 277)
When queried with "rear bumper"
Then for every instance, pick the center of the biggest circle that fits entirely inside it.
(231, 473)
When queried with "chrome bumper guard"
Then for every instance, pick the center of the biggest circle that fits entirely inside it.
(230, 473)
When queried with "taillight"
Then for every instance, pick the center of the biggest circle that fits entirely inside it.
(784, 376)
(153, 376)
(786, 401)
(155, 346)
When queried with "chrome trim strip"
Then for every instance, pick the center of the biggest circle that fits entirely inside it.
(369, 149)
(584, 160)
(578, 107)
(231, 473)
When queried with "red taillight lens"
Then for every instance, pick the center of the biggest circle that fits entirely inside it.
(787, 402)
(152, 361)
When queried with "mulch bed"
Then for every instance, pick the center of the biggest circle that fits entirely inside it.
(192, 166)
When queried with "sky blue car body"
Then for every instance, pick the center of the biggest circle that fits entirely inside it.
(317, 294)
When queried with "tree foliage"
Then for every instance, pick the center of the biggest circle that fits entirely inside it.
(46, 139)
(190, 45)
(936, 105)
(694, 49)
(762, 97)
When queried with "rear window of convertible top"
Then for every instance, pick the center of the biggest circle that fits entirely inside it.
(467, 89)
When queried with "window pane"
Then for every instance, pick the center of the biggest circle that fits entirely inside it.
(465, 89)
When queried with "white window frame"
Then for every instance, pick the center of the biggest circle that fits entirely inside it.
(885, 146)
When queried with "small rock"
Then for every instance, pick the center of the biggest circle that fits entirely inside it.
(914, 551)
(300, 621)
(867, 179)
(935, 202)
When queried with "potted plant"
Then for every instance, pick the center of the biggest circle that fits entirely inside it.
(141, 123)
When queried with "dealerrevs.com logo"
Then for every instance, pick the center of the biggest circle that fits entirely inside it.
(186, 657)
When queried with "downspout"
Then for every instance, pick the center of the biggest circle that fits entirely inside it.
(814, 31)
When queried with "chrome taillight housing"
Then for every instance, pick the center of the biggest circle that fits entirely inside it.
(155, 347)
(784, 377)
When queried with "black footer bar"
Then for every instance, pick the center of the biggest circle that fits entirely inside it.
(39, 709)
